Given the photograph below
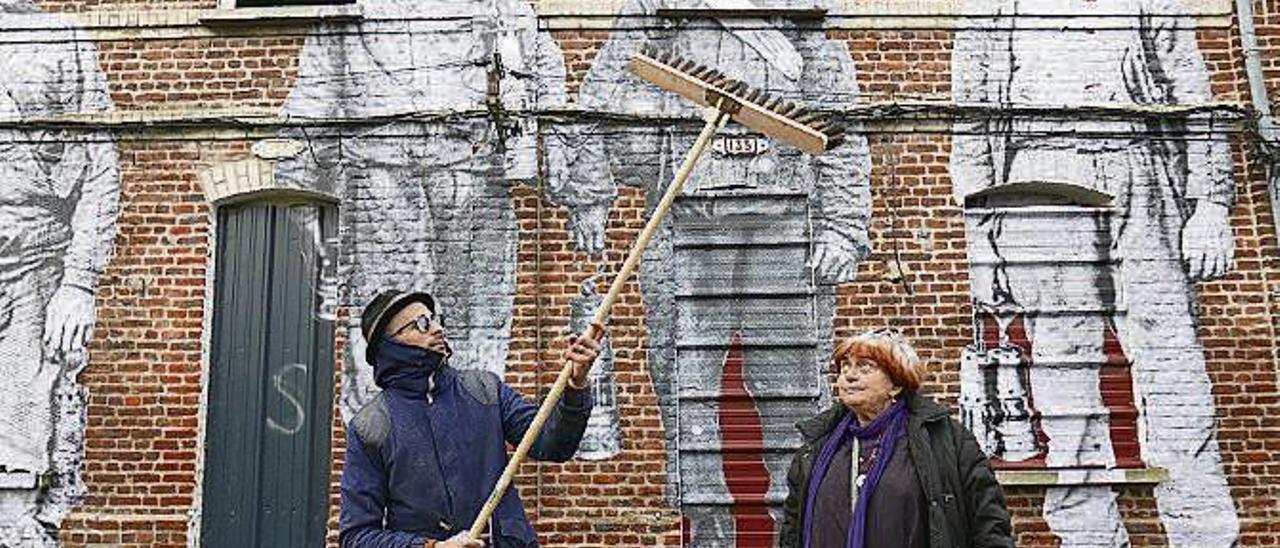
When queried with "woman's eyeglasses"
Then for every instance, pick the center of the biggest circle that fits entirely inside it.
(861, 367)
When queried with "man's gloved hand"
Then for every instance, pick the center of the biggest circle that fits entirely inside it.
(583, 353)
(68, 326)
(460, 540)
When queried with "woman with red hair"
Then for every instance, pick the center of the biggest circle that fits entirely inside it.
(886, 466)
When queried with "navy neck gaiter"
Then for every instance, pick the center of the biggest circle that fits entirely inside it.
(406, 368)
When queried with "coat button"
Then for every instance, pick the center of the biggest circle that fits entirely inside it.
(445, 526)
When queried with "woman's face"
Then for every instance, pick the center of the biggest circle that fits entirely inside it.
(862, 385)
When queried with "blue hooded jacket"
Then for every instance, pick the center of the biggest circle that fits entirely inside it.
(438, 450)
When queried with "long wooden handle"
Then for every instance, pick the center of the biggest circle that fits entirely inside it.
(716, 119)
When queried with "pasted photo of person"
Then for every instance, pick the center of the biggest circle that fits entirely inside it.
(738, 283)
(58, 207)
(438, 99)
(1087, 236)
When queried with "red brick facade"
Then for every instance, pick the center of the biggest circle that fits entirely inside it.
(144, 435)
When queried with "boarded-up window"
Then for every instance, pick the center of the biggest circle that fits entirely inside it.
(1045, 382)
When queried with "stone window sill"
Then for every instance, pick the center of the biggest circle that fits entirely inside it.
(1081, 476)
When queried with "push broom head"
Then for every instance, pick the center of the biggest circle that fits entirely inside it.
(805, 129)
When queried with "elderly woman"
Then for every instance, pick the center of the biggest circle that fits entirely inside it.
(918, 479)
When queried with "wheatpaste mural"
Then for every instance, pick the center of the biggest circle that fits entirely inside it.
(58, 206)
(1086, 237)
(602, 440)
(737, 285)
(448, 89)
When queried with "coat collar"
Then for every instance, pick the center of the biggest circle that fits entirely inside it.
(920, 410)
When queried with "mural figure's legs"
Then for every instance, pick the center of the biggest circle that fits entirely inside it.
(1085, 517)
(26, 414)
(747, 364)
(475, 251)
(1066, 352)
(18, 526)
(26, 406)
(386, 238)
(657, 288)
(1174, 393)
(66, 486)
(426, 214)
(1172, 386)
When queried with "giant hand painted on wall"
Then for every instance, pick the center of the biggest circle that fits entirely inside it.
(738, 284)
(444, 93)
(58, 205)
(1086, 237)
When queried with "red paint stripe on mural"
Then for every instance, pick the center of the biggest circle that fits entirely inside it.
(1116, 383)
(742, 439)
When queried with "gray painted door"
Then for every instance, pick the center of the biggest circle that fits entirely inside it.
(271, 380)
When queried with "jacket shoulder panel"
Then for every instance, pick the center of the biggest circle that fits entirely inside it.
(373, 423)
(480, 385)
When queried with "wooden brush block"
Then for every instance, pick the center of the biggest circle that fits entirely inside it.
(752, 114)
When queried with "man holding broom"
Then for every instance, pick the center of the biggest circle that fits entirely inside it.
(422, 456)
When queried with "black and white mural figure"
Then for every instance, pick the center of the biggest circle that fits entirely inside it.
(602, 440)
(1162, 225)
(448, 89)
(738, 285)
(58, 204)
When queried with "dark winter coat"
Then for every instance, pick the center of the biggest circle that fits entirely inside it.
(966, 507)
(432, 462)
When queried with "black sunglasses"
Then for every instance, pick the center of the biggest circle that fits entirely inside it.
(422, 323)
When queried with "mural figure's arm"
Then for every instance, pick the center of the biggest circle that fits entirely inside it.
(975, 82)
(578, 178)
(587, 160)
(1207, 245)
(842, 192)
(89, 163)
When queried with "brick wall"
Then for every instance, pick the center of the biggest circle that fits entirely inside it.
(145, 375)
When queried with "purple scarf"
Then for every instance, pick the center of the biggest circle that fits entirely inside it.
(888, 427)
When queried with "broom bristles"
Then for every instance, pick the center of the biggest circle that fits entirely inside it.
(809, 130)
